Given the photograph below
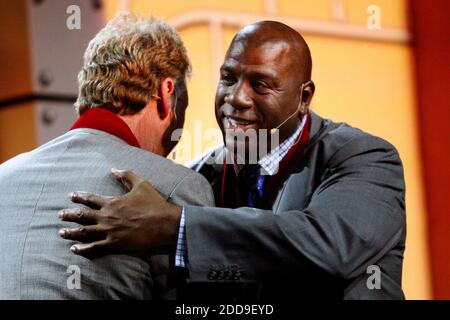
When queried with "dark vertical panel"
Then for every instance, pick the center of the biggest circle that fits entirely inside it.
(431, 32)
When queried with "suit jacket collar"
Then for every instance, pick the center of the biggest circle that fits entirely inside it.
(317, 122)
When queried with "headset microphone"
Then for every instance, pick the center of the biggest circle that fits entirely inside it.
(273, 130)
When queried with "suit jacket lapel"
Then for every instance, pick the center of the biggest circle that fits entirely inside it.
(299, 175)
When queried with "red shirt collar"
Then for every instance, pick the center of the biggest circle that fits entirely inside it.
(104, 120)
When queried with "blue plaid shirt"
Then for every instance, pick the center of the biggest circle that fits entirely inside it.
(269, 163)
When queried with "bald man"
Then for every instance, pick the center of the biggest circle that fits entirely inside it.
(320, 214)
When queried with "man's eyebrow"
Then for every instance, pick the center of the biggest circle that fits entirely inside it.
(266, 76)
(262, 75)
(226, 67)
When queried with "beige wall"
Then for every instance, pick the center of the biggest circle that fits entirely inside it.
(16, 122)
(14, 53)
(17, 130)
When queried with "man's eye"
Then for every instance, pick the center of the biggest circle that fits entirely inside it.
(260, 85)
(227, 79)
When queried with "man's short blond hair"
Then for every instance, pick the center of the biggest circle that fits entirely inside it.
(126, 61)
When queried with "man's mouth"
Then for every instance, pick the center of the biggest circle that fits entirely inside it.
(232, 123)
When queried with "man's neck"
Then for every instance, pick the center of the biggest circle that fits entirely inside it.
(140, 124)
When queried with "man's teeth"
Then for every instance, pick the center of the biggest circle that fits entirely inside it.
(234, 122)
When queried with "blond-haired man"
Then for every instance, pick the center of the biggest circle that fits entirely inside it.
(132, 96)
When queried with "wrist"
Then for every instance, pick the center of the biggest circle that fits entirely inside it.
(172, 224)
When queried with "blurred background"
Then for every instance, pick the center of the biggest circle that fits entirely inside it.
(380, 65)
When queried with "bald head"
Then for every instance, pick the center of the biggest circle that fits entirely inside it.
(264, 82)
(266, 32)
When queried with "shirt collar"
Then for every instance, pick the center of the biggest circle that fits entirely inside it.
(104, 120)
(270, 162)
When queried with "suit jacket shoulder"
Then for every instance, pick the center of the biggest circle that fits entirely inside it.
(35, 186)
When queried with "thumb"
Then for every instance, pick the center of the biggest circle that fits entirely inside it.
(126, 177)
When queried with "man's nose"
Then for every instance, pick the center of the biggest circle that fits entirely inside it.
(238, 96)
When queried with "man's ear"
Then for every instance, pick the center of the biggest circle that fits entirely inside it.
(307, 95)
(164, 104)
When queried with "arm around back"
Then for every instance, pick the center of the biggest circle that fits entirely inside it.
(354, 217)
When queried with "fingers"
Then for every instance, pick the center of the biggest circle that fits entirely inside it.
(92, 200)
(82, 233)
(90, 249)
(79, 215)
(127, 178)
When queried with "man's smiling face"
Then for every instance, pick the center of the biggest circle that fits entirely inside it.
(258, 89)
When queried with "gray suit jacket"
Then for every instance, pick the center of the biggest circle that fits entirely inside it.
(340, 210)
(35, 262)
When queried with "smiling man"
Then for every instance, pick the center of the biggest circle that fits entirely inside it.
(310, 219)
(258, 71)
